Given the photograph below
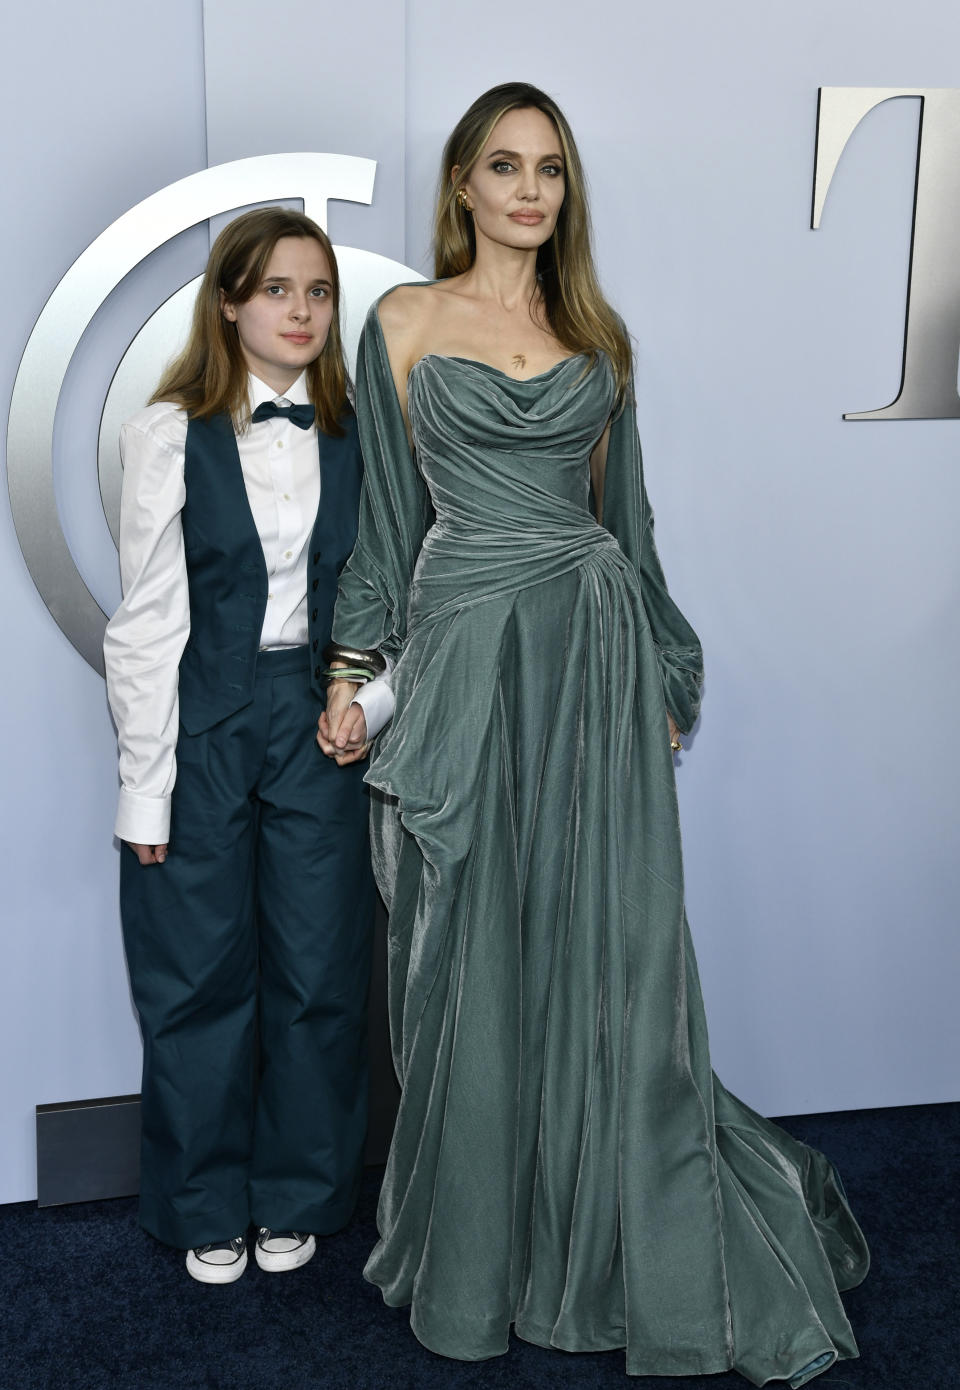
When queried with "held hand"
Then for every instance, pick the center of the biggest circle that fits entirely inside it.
(149, 854)
(349, 744)
(675, 743)
(342, 728)
(339, 695)
(351, 739)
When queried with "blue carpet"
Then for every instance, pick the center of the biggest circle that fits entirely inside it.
(87, 1301)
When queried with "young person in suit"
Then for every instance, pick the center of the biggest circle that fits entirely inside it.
(246, 891)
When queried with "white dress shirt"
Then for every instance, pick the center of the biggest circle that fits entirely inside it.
(146, 636)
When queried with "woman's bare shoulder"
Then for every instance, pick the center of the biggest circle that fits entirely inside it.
(406, 308)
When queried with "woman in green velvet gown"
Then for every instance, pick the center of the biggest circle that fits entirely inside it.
(564, 1160)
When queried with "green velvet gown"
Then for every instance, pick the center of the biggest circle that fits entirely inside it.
(564, 1159)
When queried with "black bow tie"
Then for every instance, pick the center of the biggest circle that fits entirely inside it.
(301, 415)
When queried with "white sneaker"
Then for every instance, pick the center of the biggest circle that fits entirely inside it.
(218, 1263)
(280, 1250)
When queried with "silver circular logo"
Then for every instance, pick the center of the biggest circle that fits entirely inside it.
(312, 178)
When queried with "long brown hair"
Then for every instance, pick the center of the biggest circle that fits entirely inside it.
(210, 375)
(578, 315)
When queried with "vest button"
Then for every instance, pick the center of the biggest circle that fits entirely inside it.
(313, 616)
(316, 644)
(316, 585)
(316, 557)
(317, 672)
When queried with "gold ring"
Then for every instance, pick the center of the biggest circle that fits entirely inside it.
(676, 745)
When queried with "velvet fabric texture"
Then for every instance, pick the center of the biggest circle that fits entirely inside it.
(564, 1159)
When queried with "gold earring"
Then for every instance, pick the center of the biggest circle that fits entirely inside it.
(462, 200)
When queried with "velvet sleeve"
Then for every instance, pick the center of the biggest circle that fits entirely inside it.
(395, 511)
(628, 515)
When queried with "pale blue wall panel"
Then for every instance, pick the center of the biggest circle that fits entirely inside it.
(817, 558)
(313, 77)
(101, 105)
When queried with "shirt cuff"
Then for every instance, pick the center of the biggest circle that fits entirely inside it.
(142, 820)
(377, 701)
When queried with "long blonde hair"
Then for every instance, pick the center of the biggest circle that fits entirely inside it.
(209, 377)
(576, 311)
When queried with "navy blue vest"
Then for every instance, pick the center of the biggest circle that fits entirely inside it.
(227, 574)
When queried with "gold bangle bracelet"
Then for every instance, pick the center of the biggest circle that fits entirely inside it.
(354, 656)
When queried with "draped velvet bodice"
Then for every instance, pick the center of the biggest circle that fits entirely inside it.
(507, 465)
(515, 451)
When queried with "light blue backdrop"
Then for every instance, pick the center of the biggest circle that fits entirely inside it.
(815, 557)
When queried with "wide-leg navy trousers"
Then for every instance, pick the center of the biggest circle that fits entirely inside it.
(249, 956)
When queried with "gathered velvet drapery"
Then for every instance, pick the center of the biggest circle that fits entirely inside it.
(564, 1159)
